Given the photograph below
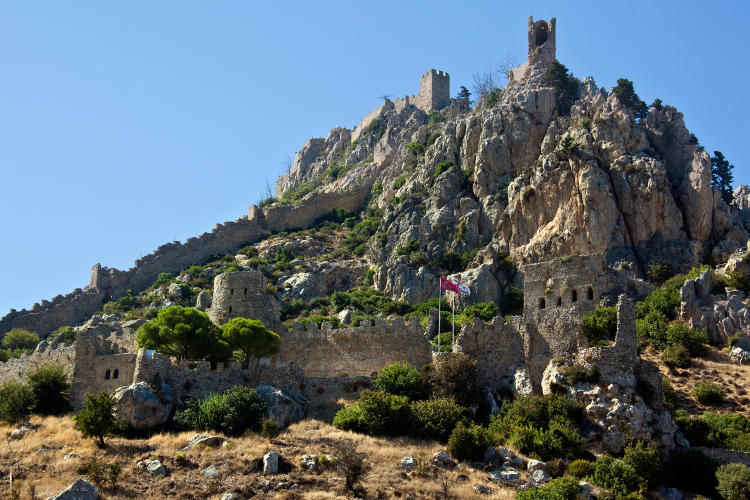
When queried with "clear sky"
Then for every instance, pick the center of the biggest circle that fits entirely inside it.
(125, 125)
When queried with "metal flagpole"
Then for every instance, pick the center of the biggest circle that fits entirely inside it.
(453, 328)
(440, 297)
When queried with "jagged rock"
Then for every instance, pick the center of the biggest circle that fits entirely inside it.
(271, 463)
(522, 382)
(79, 490)
(586, 490)
(739, 355)
(481, 489)
(138, 406)
(408, 463)
(203, 301)
(535, 465)
(540, 476)
(21, 431)
(491, 455)
(442, 459)
(504, 475)
(203, 440)
(282, 406)
(211, 472)
(156, 468)
(345, 316)
(309, 462)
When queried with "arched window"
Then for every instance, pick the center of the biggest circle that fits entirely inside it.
(106, 375)
(559, 301)
(245, 291)
(116, 373)
(231, 291)
(591, 293)
(573, 296)
(542, 304)
(230, 309)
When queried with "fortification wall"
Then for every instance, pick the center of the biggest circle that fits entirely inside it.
(15, 369)
(576, 280)
(356, 351)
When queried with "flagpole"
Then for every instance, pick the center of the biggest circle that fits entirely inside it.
(453, 328)
(440, 297)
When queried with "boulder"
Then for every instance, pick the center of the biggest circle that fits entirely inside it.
(232, 496)
(540, 476)
(309, 462)
(138, 406)
(408, 463)
(535, 465)
(345, 316)
(156, 468)
(20, 431)
(271, 463)
(80, 490)
(211, 472)
(203, 301)
(481, 489)
(442, 459)
(203, 440)
(284, 407)
(739, 355)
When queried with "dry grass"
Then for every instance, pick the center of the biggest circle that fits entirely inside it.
(50, 472)
(715, 367)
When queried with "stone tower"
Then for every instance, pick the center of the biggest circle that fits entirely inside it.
(434, 90)
(541, 41)
(243, 295)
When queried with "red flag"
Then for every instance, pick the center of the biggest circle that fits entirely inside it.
(448, 285)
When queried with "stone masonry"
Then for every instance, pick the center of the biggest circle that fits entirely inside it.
(243, 295)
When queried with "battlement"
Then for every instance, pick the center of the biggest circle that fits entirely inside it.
(434, 91)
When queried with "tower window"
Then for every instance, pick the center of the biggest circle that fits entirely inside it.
(231, 291)
(116, 373)
(230, 309)
(574, 296)
(106, 375)
(591, 293)
(559, 301)
(245, 291)
(542, 304)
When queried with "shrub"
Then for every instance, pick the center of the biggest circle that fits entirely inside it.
(411, 246)
(691, 470)
(600, 325)
(670, 395)
(561, 440)
(319, 320)
(339, 300)
(560, 488)
(469, 441)
(16, 401)
(664, 300)
(95, 418)
(579, 373)
(64, 334)
(233, 412)
(349, 418)
(454, 375)
(734, 481)
(51, 388)
(658, 272)
(653, 329)
(581, 468)
(484, 311)
(565, 84)
(620, 477)
(441, 168)
(536, 411)
(401, 379)
(693, 339)
(416, 148)
(20, 340)
(4, 355)
(369, 277)
(738, 280)
(435, 418)
(707, 393)
(721, 431)
(646, 460)
(676, 356)
(585, 124)
(351, 464)
(269, 429)
(101, 474)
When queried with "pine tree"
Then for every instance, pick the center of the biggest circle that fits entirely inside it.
(721, 173)
(463, 98)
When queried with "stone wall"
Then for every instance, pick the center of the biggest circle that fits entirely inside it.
(355, 351)
(725, 456)
(542, 43)
(243, 295)
(434, 91)
(15, 369)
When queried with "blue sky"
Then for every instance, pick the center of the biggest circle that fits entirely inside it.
(125, 125)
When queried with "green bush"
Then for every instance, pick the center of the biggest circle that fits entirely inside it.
(319, 320)
(96, 418)
(484, 311)
(707, 393)
(400, 379)
(64, 334)
(670, 395)
(665, 300)
(51, 388)
(718, 431)
(616, 475)
(232, 412)
(469, 441)
(560, 440)
(734, 481)
(436, 418)
(565, 84)
(585, 124)
(411, 246)
(269, 429)
(580, 468)
(693, 339)
(652, 328)
(691, 470)
(738, 280)
(676, 356)
(453, 375)
(647, 462)
(340, 300)
(19, 340)
(384, 414)
(578, 373)
(560, 488)
(16, 401)
(658, 272)
(628, 98)
(350, 418)
(441, 168)
(600, 325)
(416, 148)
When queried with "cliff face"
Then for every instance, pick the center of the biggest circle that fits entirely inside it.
(520, 178)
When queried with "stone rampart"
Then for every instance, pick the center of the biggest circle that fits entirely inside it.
(15, 369)
(725, 456)
(356, 351)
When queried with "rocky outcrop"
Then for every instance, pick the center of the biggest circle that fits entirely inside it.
(283, 407)
(80, 490)
(138, 406)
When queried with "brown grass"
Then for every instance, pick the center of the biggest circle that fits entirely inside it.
(715, 366)
(50, 473)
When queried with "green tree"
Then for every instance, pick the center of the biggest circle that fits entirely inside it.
(250, 338)
(16, 401)
(625, 93)
(557, 76)
(401, 379)
(463, 98)
(50, 385)
(600, 325)
(734, 481)
(182, 332)
(721, 176)
(96, 418)
(18, 340)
